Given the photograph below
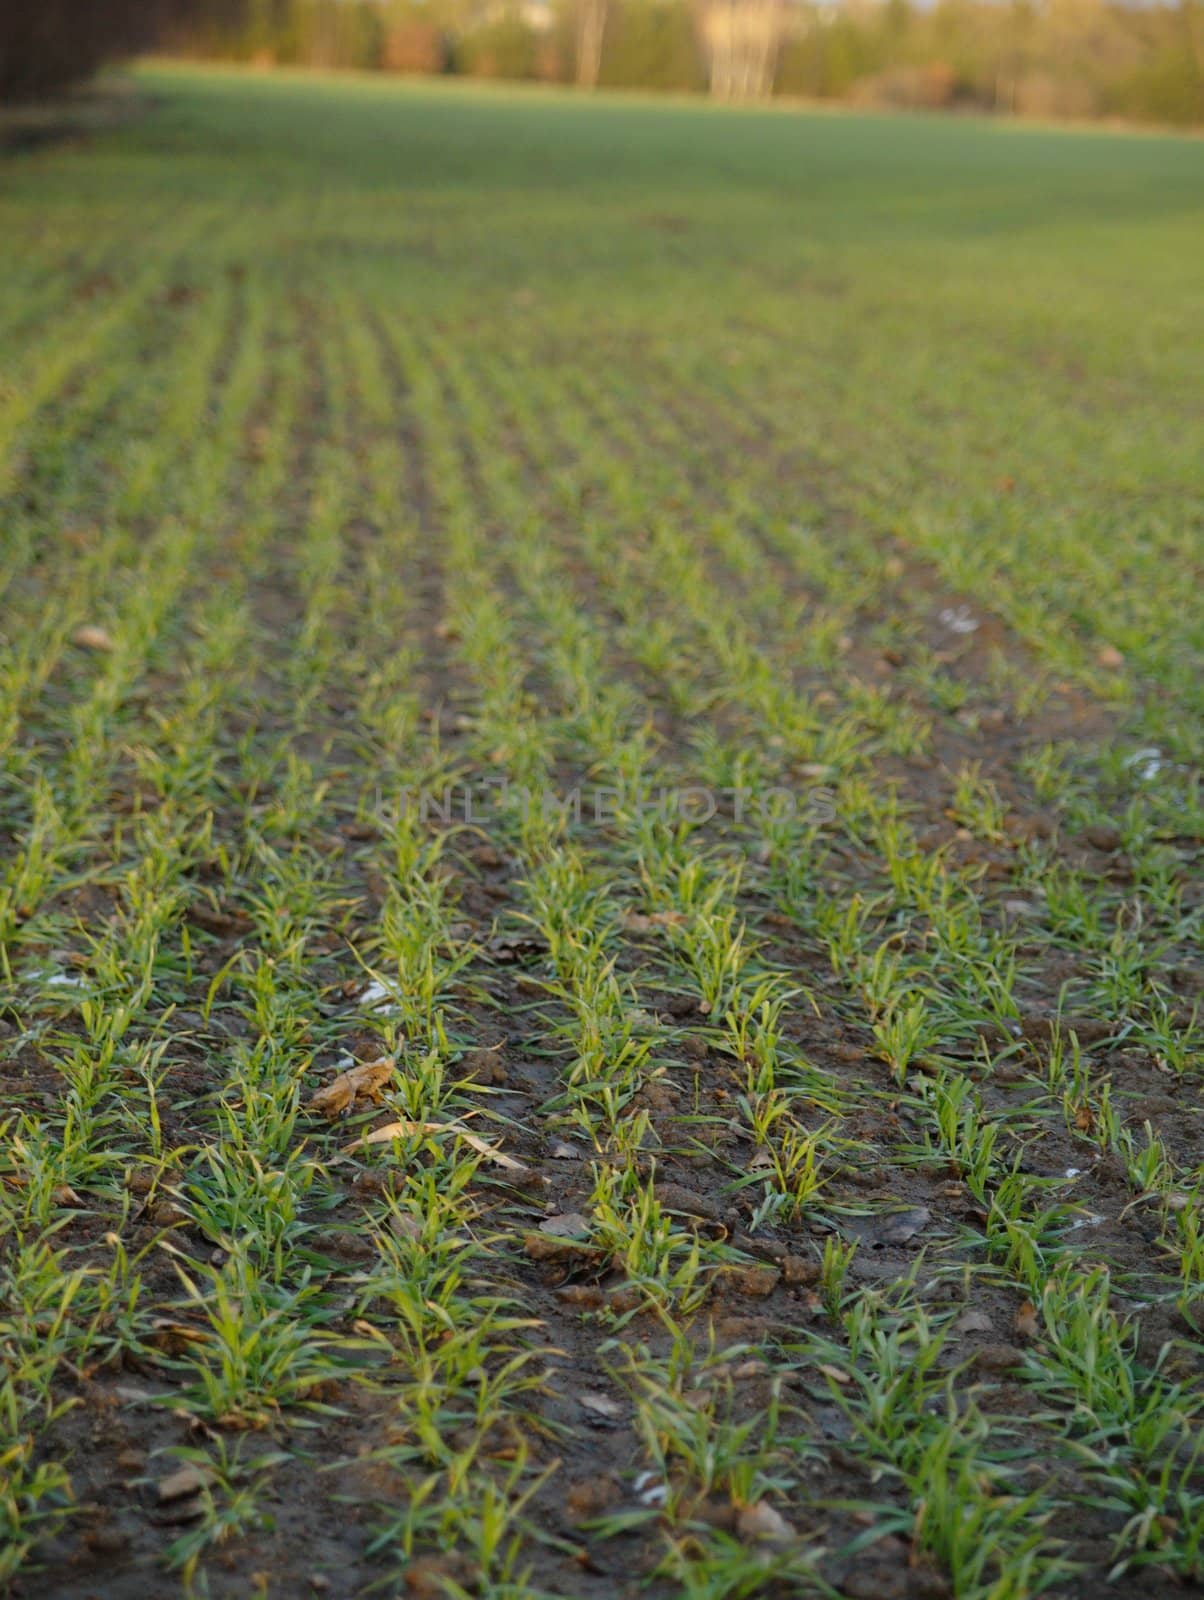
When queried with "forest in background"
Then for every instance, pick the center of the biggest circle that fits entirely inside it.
(1036, 58)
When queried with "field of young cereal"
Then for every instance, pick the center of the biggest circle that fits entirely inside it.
(675, 632)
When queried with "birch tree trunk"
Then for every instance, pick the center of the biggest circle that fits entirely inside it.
(741, 38)
(591, 28)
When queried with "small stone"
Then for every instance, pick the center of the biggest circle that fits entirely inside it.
(183, 1483)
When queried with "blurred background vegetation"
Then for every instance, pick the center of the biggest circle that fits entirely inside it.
(1036, 58)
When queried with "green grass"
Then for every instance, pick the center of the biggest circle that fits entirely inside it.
(786, 528)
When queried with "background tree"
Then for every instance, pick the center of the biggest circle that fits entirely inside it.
(591, 31)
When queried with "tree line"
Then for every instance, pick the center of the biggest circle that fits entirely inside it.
(45, 44)
(1044, 58)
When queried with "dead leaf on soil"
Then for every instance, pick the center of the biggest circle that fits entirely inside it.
(761, 1524)
(566, 1225)
(1026, 1323)
(90, 637)
(559, 1236)
(365, 1081)
(511, 947)
(890, 1227)
(182, 1483)
(837, 1374)
(600, 1405)
(640, 922)
(406, 1130)
(585, 1296)
(973, 1322)
(175, 1338)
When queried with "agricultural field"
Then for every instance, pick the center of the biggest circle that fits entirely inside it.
(600, 901)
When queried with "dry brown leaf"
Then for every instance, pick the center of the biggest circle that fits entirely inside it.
(176, 1338)
(406, 1130)
(540, 1247)
(364, 1081)
(546, 1247)
(182, 1483)
(89, 637)
(1026, 1320)
(837, 1374)
(566, 1225)
(587, 1296)
(218, 920)
(973, 1322)
(889, 1227)
(641, 922)
(761, 1524)
(600, 1405)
